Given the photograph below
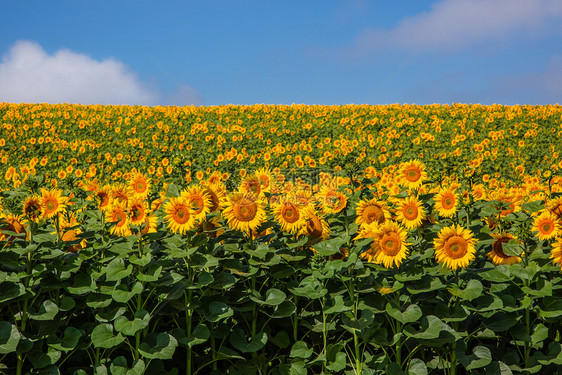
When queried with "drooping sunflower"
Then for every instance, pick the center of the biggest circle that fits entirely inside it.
(121, 193)
(412, 174)
(52, 202)
(117, 214)
(11, 223)
(289, 215)
(216, 195)
(332, 201)
(103, 197)
(265, 177)
(179, 215)
(139, 184)
(32, 207)
(446, 202)
(70, 230)
(372, 210)
(251, 185)
(556, 252)
(316, 226)
(244, 212)
(546, 225)
(198, 200)
(410, 212)
(150, 224)
(555, 206)
(137, 211)
(455, 247)
(389, 246)
(496, 255)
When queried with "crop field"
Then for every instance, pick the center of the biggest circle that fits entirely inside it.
(264, 239)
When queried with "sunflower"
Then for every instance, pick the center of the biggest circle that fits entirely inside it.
(179, 215)
(332, 201)
(446, 202)
(149, 225)
(555, 206)
(497, 256)
(556, 252)
(12, 223)
(52, 202)
(211, 227)
(265, 177)
(32, 207)
(412, 174)
(70, 231)
(410, 212)
(372, 210)
(316, 226)
(216, 195)
(137, 211)
(546, 225)
(139, 184)
(198, 200)
(289, 215)
(244, 212)
(121, 193)
(117, 214)
(103, 197)
(389, 246)
(251, 185)
(454, 247)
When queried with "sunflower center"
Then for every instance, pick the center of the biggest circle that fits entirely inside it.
(120, 218)
(197, 204)
(181, 214)
(413, 174)
(290, 213)
(140, 187)
(390, 244)
(498, 247)
(448, 202)
(51, 205)
(137, 213)
(245, 210)
(456, 247)
(314, 227)
(411, 212)
(547, 227)
(373, 213)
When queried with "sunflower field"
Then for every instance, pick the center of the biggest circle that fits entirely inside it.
(268, 239)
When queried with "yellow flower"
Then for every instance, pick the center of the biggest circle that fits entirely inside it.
(198, 200)
(446, 202)
(546, 225)
(289, 215)
(52, 202)
(389, 246)
(497, 256)
(179, 215)
(244, 212)
(454, 247)
(412, 174)
(410, 212)
(372, 210)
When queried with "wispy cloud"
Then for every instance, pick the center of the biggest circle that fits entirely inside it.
(457, 24)
(29, 74)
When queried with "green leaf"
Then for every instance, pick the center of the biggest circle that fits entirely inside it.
(40, 360)
(552, 307)
(540, 333)
(10, 290)
(394, 368)
(554, 355)
(199, 335)
(119, 367)
(82, 284)
(417, 367)
(412, 313)
(433, 331)
(122, 248)
(281, 339)
(481, 357)
(102, 336)
(68, 342)
(273, 297)
(9, 337)
(122, 294)
(161, 347)
(218, 311)
(339, 363)
(116, 270)
(500, 321)
(309, 287)
(300, 349)
(284, 310)
(331, 246)
(364, 321)
(239, 341)
(130, 327)
(472, 290)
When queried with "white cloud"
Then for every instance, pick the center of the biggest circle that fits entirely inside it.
(456, 24)
(29, 74)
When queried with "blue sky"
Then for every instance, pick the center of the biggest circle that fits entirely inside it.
(217, 52)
